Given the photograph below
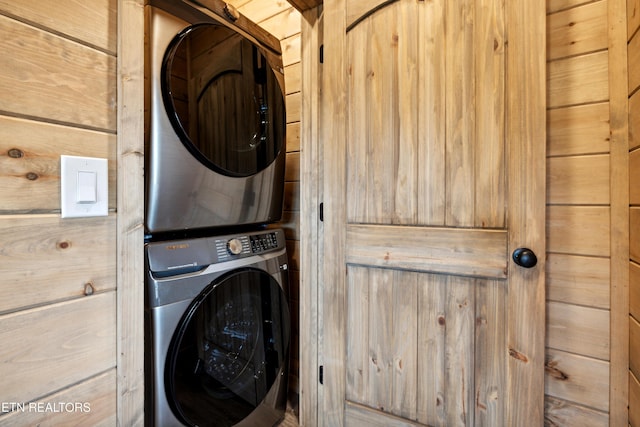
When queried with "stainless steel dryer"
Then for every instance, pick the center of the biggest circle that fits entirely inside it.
(215, 134)
(218, 331)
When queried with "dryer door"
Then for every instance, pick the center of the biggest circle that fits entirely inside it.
(229, 349)
(224, 99)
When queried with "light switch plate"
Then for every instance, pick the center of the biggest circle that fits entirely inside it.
(75, 195)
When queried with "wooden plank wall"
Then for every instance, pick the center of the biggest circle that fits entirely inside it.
(581, 170)
(279, 18)
(57, 277)
(633, 27)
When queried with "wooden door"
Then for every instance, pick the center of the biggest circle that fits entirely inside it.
(433, 131)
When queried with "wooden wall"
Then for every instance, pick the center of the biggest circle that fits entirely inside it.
(633, 27)
(283, 21)
(585, 285)
(57, 277)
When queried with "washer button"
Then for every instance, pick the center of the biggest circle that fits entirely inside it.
(234, 246)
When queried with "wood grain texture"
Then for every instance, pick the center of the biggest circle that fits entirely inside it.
(42, 70)
(634, 346)
(130, 253)
(577, 378)
(311, 254)
(80, 346)
(30, 161)
(358, 415)
(467, 252)
(490, 150)
(261, 11)
(634, 121)
(577, 329)
(619, 64)
(291, 48)
(95, 25)
(526, 136)
(293, 136)
(431, 111)
(633, 17)
(582, 129)
(30, 260)
(491, 370)
(578, 80)
(634, 400)
(460, 113)
(284, 24)
(634, 234)
(558, 5)
(577, 30)
(97, 393)
(333, 128)
(292, 102)
(634, 63)
(461, 90)
(634, 289)
(432, 329)
(566, 227)
(578, 280)
(558, 412)
(578, 180)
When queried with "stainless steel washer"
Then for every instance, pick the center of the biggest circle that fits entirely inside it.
(218, 330)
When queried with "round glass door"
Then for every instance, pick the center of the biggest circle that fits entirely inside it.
(228, 350)
(223, 100)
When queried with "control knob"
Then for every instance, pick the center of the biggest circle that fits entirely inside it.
(234, 246)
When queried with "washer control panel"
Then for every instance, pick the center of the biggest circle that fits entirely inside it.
(184, 256)
(263, 242)
(231, 247)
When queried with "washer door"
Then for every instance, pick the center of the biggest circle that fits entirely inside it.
(223, 100)
(228, 350)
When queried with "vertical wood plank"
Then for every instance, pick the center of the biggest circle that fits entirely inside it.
(380, 336)
(405, 345)
(431, 113)
(357, 387)
(406, 185)
(525, 135)
(460, 113)
(311, 253)
(490, 185)
(383, 120)
(130, 141)
(619, 181)
(432, 321)
(459, 350)
(334, 153)
(358, 129)
(490, 364)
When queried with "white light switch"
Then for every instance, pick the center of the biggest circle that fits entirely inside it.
(87, 187)
(84, 187)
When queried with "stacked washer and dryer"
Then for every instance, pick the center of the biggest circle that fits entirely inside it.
(216, 316)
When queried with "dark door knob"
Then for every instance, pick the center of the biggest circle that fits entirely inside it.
(525, 257)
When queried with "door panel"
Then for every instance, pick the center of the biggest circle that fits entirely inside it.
(417, 343)
(434, 173)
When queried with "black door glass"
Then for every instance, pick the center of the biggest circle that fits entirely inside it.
(228, 350)
(223, 100)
